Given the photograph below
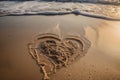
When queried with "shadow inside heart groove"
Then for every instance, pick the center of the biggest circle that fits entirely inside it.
(52, 52)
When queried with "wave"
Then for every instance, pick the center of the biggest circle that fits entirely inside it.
(109, 12)
(92, 1)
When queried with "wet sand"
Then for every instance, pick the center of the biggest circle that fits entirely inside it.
(102, 62)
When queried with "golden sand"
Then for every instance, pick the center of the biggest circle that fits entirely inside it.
(101, 62)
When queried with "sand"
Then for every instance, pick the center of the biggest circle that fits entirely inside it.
(52, 51)
(102, 61)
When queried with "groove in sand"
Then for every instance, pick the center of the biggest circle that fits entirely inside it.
(52, 52)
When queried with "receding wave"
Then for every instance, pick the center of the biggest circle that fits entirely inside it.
(109, 12)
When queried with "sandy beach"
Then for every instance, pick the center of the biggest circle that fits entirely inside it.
(102, 61)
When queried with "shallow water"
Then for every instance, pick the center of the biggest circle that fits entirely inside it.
(103, 11)
(100, 63)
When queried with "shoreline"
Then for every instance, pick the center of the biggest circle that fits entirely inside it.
(66, 13)
(30, 8)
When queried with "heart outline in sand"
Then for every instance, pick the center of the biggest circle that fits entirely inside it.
(52, 52)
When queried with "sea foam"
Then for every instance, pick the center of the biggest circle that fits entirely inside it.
(15, 8)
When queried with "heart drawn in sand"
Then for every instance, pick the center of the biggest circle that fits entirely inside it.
(52, 52)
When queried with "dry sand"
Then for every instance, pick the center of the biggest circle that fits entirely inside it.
(102, 62)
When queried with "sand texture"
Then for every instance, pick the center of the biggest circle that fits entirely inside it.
(52, 52)
(29, 47)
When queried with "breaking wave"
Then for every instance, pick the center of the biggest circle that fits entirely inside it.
(15, 8)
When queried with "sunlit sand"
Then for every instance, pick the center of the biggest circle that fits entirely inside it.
(101, 62)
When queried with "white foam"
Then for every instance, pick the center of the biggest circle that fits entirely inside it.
(59, 8)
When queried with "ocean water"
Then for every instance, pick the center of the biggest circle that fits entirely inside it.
(17, 8)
